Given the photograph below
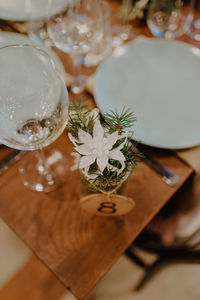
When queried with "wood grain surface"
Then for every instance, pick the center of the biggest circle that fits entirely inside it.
(77, 247)
(33, 282)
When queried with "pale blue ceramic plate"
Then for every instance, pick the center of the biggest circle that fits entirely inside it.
(160, 81)
(24, 10)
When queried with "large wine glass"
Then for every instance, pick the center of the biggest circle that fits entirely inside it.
(33, 112)
(76, 30)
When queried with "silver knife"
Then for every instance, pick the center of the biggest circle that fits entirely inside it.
(11, 158)
(167, 175)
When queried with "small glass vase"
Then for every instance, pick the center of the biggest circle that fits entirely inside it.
(106, 203)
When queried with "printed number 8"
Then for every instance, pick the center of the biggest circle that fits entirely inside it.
(107, 208)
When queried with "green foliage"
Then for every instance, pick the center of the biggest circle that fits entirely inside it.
(82, 118)
(79, 119)
(119, 121)
(131, 11)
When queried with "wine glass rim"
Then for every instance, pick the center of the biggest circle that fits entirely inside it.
(31, 47)
(39, 49)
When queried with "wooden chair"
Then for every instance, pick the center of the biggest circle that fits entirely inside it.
(165, 255)
(185, 250)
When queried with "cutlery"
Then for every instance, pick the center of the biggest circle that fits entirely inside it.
(11, 158)
(167, 175)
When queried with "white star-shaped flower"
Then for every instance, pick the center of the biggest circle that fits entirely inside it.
(98, 147)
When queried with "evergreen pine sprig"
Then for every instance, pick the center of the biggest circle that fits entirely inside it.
(121, 157)
(119, 121)
(79, 118)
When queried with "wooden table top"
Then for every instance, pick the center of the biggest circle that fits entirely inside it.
(79, 249)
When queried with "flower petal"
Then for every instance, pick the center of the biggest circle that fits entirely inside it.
(116, 154)
(102, 162)
(75, 154)
(94, 113)
(89, 176)
(86, 161)
(123, 135)
(121, 146)
(83, 149)
(98, 131)
(72, 114)
(111, 140)
(72, 139)
(111, 168)
(122, 167)
(84, 137)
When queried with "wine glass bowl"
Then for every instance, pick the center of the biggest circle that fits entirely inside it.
(104, 47)
(75, 30)
(32, 98)
(33, 112)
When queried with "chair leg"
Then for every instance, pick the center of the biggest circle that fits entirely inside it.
(136, 259)
(187, 257)
(151, 271)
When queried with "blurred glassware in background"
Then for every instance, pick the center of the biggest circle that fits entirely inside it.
(76, 30)
(37, 26)
(104, 47)
(34, 110)
(122, 31)
(193, 20)
(167, 18)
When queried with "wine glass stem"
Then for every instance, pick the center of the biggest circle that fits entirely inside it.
(43, 168)
(78, 84)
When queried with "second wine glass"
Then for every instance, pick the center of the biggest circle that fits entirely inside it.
(75, 30)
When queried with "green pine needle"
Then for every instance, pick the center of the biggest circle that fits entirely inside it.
(80, 118)
(119, 121)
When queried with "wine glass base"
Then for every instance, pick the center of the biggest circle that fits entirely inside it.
(37, 31)
(46, 174)
(120, 33)
(78, 84)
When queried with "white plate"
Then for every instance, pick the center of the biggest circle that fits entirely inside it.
(160, 81)
(7, 38)
(21, 10)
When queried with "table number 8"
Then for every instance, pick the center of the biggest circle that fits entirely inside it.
(107, 208)
(105, 204)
